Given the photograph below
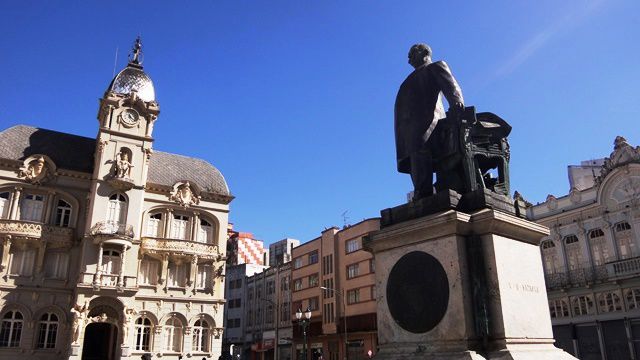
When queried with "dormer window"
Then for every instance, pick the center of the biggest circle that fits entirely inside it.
(63, 214)
(116, 211)
(31, 208)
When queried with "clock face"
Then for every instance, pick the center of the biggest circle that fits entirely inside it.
(130, 117)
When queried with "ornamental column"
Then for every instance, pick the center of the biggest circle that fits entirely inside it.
(6, 247)
(98, 275)
(15, 199)
(122, 266)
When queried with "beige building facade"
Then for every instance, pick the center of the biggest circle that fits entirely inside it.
(591, 258)
(336, 261)
(110, 249)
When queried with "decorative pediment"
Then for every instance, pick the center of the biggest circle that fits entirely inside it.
(37, 169)
(185, 194)
(622, 154)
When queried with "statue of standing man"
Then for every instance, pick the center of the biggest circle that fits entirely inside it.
(417, 111)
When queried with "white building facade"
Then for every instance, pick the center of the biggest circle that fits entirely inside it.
(592, 258)
(110, 249)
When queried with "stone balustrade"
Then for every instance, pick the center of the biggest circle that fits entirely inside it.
(112, 229)
(624, 268)
(34, 230)
(183, 247)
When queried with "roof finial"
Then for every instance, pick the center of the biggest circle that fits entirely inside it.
(135, 57)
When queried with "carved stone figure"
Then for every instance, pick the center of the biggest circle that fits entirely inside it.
(123, 166)
(36, 169)
(80, 315)
(183, 195)
(418, 108)
(126, 324)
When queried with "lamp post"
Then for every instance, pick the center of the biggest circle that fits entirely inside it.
(344, 312)
(277, 312)
(304, 323)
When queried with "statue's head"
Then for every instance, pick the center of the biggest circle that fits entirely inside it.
(419, 54)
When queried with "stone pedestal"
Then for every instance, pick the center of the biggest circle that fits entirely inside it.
(462, 286)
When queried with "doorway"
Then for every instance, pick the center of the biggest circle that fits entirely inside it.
(100, 340)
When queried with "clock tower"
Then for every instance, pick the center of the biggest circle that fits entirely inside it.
(128, 111)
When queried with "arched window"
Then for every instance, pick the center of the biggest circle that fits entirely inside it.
(173, 335)
(47, 331)
(624, 240)
(4, 205)
(179, 227)
(583, 305)
(154, 225)
(599, 249)
(550, 257)
(201, 336)
(574, 252)
(116, 211)
(143, 334)
(63, 214)
(205, 234)
(633, 299)
(11, 329)
(31, 207)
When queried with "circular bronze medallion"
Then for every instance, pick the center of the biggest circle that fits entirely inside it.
(417, 292)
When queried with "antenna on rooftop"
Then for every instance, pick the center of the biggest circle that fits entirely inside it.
(344, 219)
(115, 63)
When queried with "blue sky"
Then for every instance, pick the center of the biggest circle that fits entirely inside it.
(293, 100)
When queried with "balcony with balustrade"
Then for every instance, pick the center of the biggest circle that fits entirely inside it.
(29, 230)
(611, 271)
(155, 245)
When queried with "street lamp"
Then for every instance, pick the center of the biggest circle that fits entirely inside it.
(344, 312)
(304, 323)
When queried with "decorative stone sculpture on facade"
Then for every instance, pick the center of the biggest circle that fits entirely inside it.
(622, 154)
(37, 169)
(129, 313)
(80, 315)
(183, 194)
(123, 166)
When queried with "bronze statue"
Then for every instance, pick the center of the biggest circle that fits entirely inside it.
(417, 111)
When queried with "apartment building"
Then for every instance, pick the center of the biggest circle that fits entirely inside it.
(333, 277)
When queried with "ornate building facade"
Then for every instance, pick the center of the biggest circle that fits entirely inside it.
(592, 259)
(110, 249)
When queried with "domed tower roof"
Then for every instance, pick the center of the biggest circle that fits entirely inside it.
(133, 78)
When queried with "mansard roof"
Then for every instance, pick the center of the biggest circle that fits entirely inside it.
(73, 152)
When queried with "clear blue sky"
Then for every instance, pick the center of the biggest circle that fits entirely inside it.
(293, 100)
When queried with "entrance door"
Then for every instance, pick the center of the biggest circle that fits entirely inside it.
(100, 340)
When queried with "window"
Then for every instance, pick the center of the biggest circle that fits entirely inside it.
(11, 329)
(547, 244)
(353, 245)
(284, 283)
(373, 293)
(205, 232)
(624, 239)
(314, 280)
(285, 311)
(271, 287)
(313, 304)
(201, 336)
(143, 334)
(269, 314)
(63, 214)
(633, 299)
(179, 227)
(327, 264)
(31, 208)
(353, 296)
(582, 305)
(573, 252)
(297, 284)
(558, 308)
(313, 257)
(372, 266)
(550, 258)
(154, 225)
(599, 247)
(173, 335)
(47, 331)
(609, 302)
(353, 270)
(116, 211)
(4, 205)
(56, 265)
(22, 262)
(177, 274)
(327, 283)
(205, 272)
(149, 271)
(297, 263)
